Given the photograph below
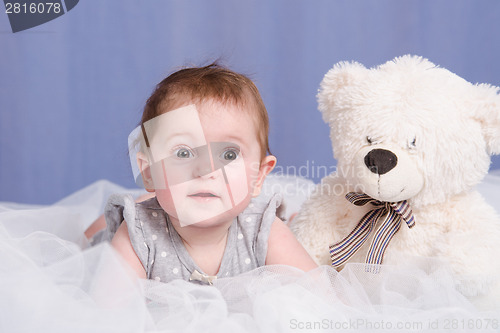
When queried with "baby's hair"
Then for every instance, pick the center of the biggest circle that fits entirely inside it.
(196, 84)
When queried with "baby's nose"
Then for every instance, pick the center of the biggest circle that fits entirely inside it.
(202, 169)
(202, 164)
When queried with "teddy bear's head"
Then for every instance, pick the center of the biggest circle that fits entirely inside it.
(409, 130)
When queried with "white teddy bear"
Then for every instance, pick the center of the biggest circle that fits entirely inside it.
(411, 140)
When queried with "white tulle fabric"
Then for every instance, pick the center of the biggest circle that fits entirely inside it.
(51, 281)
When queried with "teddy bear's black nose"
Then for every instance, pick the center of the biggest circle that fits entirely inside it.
(380, 161)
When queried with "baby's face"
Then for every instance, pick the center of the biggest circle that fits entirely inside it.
(205, 161)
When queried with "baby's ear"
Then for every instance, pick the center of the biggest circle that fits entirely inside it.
(487, 113)
(144, 168)
(266, 166)
(341, 77)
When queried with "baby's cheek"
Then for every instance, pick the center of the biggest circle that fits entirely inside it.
(253, 169)
(237, 181)
(158, 175)
(162, 190)
(164, 197)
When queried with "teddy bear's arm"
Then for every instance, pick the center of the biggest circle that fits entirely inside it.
(471, 245)
(324, 219)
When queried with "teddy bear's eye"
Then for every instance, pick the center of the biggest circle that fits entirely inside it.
(412, 143)
(372, 141)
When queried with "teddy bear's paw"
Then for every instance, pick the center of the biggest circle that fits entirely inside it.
(474, 287)
(490, 300)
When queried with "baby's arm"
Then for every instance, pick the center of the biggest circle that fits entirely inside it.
(283, 248)
(100, 223)
(121, 243)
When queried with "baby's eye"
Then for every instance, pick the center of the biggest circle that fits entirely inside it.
(183, 153)
(230, 154)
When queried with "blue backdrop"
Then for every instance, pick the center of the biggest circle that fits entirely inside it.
(72, 89)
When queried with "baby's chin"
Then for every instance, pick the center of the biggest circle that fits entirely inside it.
(200, 220)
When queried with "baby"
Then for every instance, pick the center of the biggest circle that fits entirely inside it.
(203, 153)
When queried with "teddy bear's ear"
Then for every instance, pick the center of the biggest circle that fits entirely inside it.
(342, 75)
(487, 113)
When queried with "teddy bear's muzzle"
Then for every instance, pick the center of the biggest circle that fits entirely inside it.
(386, 173)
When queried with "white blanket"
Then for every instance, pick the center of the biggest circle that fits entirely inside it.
(51, 281)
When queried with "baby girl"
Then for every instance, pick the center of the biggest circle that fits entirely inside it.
(203, 153)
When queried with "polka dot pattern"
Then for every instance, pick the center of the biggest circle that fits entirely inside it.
(161, 245)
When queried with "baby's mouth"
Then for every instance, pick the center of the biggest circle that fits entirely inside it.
(203, 195)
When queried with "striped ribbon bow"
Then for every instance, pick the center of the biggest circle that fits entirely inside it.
(394, 212)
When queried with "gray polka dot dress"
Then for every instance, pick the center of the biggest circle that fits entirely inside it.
(161, 250)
